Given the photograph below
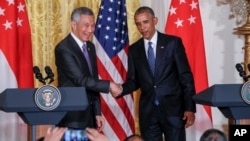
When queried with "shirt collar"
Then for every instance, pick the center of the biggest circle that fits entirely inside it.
(78, 41)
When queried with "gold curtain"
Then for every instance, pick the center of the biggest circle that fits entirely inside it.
(50, 23)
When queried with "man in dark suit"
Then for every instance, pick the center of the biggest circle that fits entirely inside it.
(165, 106)
(76, 69)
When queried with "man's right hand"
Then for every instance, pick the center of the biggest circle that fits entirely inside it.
(115, 89)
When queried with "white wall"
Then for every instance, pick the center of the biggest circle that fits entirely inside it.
(223, 48)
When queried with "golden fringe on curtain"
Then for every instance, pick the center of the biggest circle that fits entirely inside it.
(50, 23)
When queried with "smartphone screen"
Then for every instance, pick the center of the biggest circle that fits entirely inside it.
(75, 135)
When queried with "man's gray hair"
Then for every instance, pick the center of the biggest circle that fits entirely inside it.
(75, 16)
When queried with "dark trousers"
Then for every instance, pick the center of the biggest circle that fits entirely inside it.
(164, 128)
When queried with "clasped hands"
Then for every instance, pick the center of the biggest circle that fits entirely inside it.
(115, 89)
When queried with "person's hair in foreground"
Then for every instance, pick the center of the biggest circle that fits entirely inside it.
(213, 135)
(134, 137)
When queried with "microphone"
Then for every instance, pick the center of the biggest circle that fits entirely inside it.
(242, 73)
(50, 74)
(239, 67)
(38, 74)
(248, 66)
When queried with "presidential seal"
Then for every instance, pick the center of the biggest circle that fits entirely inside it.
(245, 92)
(47, 97)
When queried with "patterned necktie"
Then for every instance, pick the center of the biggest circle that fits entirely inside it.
(151, 62)
(151, 57)
(86, 55)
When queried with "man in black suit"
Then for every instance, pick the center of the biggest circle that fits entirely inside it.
(166, 106)
(75, 69)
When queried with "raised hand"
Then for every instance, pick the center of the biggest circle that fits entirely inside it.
(55, 134)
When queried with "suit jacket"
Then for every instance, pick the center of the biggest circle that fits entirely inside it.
(172, 84)
(73, 71)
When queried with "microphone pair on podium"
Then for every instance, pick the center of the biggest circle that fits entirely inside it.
(241, 71)
(39, 76)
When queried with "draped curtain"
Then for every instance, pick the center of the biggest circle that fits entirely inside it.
(50, 23)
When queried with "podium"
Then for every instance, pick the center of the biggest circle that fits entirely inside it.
(22, 102)
(227, 98)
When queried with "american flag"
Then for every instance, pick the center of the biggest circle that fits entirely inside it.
(184, 20)
(112, 42)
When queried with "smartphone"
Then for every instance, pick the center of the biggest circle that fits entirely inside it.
(75, 135)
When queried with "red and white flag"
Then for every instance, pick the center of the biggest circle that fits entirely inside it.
(184, 20)
(15, 52)
(111, 41)
(15, 45)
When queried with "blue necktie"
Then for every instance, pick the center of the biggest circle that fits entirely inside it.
(151, 57)
(151, 62)
(86, 55)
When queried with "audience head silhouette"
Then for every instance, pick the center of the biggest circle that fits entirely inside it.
(213, 135)
(134, 137)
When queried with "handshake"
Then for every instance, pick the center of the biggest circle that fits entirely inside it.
(115, 89)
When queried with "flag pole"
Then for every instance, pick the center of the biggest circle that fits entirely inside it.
(245, 30)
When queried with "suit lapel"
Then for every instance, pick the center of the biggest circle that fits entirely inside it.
(80, 54)
(76, 49)
(160, 52)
